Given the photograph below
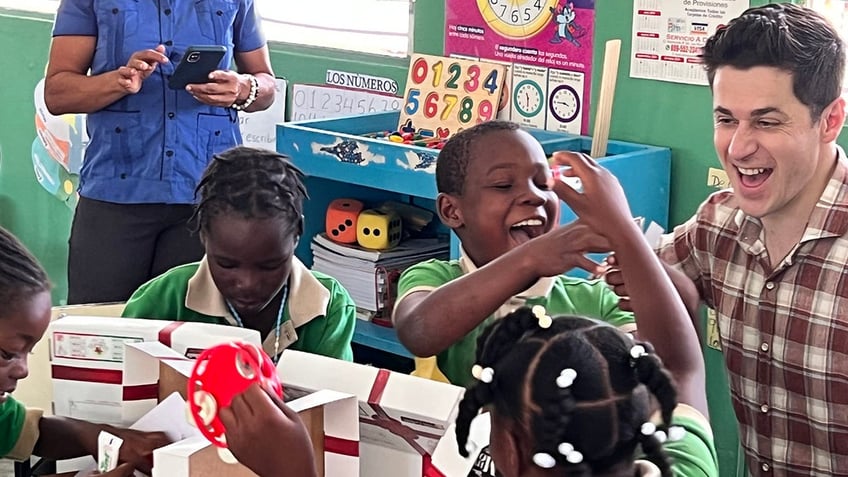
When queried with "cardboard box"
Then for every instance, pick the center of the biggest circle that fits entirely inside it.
(402, 417)
(330, 417)
(87, 362)
(479, 461)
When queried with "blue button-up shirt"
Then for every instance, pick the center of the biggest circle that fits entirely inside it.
(152, 147)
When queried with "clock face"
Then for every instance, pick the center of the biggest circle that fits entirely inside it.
(517, 18)
(528, 98)
(565, 103)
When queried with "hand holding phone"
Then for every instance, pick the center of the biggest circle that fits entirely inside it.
(196, 65)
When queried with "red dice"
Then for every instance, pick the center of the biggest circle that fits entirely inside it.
(341, 220)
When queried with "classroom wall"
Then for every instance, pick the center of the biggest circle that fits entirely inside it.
(673, 115)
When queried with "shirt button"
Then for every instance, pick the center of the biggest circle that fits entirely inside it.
(770, 285)
(764, 347)
(169, 43)
(117, 129)
(115, 11)
(765, 467)
(169, 153)
(167, 11)
(170, 115)
(764, 408)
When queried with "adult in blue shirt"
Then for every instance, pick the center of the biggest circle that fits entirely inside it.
(148, 144)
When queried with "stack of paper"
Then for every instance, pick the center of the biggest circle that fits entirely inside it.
(365, 273)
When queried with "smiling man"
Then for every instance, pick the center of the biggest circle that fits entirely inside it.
(769, 254)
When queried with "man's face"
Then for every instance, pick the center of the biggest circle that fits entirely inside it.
(767, 142)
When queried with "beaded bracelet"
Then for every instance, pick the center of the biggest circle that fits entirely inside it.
(251, 97)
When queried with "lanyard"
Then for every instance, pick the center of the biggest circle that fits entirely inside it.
(235, 314)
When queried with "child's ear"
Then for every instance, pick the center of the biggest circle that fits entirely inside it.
(510, 458)
(449, 212)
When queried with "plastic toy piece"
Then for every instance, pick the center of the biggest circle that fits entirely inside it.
(221, 373)
(574, 182)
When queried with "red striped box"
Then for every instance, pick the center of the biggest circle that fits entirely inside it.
(402, 418)
(337, 454)
(88, 353)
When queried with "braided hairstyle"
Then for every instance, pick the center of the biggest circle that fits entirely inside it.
(21, 276)
(599, 414)
(453, 159)
(252, 182)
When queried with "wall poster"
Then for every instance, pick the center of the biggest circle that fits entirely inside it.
(668, 36)
(547, 45)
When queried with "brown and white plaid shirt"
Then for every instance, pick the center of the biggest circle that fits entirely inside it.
(784, 332)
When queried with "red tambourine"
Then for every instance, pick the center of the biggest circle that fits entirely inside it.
(221, 373)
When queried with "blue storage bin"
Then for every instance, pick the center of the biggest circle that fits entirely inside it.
(337, 150)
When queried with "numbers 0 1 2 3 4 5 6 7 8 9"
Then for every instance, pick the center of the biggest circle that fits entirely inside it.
(452, 90)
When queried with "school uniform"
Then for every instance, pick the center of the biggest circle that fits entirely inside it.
(18, 429)
(560, 295)
(319, 315)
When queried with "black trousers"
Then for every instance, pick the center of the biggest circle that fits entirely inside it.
(115, 248)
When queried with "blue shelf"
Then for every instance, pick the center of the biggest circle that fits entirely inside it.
(379, 337)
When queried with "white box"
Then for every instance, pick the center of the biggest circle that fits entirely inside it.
(87, 361)
(330, 417)
(402, 417)
(479, 461)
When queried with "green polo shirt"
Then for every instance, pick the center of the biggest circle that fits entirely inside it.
(560, 295)
(18, 430)
(319, 308)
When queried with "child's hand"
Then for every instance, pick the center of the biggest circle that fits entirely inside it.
(138, 447)
(123, 470)
(564, 248)
(602, 204)
(615, 279)
(267, 436)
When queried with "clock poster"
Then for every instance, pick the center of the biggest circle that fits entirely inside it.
(547, 47)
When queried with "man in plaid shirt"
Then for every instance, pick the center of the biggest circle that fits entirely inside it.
(769, 254)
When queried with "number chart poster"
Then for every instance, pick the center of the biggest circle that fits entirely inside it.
(547, 45)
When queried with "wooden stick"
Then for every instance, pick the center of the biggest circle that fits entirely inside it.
(600, 136)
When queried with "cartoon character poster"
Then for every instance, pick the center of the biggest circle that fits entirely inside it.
(548, 45)
(58, 151)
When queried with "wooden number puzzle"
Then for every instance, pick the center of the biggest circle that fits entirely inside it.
(446, 95)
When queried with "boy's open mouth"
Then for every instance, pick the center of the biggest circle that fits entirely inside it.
(527, 229)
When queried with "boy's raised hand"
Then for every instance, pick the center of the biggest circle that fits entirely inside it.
(267, 436)
(602, 204)
(137, 448)
(565, 247)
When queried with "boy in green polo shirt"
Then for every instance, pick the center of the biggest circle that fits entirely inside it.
(250, 218)
(494, 194)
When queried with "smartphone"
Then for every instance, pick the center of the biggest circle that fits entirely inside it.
(196, 65)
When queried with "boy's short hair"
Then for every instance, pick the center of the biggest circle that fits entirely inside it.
(452, 164)
(792, 38)
(251, 182)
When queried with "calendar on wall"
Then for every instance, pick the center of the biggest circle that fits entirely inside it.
(446, 95)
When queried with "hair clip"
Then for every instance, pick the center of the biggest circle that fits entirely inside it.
(637, 351)
(661, 436)
(571, 455)
(676, 433)
(544, 460)
(482, 374)
(541, 314)
(566, 378)
(648, 428)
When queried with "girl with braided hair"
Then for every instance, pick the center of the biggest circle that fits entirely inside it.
(572, 396)
(24, 317)
(250, 218)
